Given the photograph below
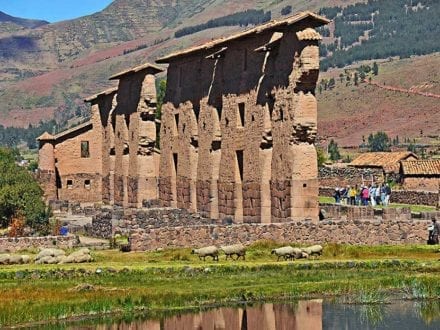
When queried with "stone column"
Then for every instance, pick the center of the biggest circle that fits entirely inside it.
(46, 166)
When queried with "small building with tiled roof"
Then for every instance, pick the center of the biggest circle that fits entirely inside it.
(389, 162)
(421, 175)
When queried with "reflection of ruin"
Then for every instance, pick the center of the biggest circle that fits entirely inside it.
(237, 135)
(301, 315)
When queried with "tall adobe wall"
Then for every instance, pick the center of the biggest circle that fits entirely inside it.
(239, 126)
(134, 161)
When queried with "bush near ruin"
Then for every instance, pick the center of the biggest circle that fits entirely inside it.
(20, 194)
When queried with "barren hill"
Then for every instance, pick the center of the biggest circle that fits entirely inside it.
(26, 23)
(50, 69)
(46, 72)
(402, 100)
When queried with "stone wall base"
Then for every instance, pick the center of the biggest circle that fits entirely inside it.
(349, 232)
(12, 245)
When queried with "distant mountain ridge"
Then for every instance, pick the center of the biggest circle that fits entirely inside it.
(24, 22)
(46, 72)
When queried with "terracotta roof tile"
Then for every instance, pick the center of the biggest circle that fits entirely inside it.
(389, 161)
(320, 20)
(421, 167)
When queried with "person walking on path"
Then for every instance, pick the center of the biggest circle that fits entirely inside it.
(387, 194)
(352, 195)
(435, 231)
(372, 195)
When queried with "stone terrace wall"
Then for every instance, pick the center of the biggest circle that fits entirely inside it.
(371, 232)
(109, 222)
(12, 245)
(415, 197)
(343, 176)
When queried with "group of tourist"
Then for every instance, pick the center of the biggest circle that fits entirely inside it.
(363, 195)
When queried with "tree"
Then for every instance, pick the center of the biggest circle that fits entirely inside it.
(379, 142)
(333, 151)
(321, 157)
(411, 148)
(286, 10)
(20, 194)
(341, 77)
(331, 83)
(375, 69)
(356, 79)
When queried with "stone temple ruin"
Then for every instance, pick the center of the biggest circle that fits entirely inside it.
(238, 127)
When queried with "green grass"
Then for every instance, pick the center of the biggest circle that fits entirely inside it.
(174, 279)
(414, 208)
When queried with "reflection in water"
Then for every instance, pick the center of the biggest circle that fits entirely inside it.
(261, 317)
(264, 317)
(308, 315)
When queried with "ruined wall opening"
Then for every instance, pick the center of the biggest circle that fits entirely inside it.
(69, 184)
(85, 151)
(175, 162)
(241, 113)
(216, 145)
(58, 179)
(126, 150)
(127, 120)
(87, 184)
(176, 120)
(239, 156)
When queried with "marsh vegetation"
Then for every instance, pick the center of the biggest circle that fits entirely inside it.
(174, 280)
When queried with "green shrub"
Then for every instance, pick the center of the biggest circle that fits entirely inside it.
(20, 193)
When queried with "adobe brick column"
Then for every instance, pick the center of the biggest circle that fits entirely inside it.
(305, 185)
(136, 166)
(208, 166)
(144, 167)
(168, 158)
(102, 106)
(46, 166)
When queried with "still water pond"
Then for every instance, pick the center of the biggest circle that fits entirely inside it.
(307, 315)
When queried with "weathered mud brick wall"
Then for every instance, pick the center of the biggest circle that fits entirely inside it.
(280, 201)
(203, 197)
(73, 159)
(239, 125)
(112, 158)
(135, 156)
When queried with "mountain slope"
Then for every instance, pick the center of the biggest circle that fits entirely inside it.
(55, 66)
(402, 100)
(26, 23)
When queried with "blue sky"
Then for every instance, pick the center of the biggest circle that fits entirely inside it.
(52, 10)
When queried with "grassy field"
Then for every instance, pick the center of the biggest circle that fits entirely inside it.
(174, 279)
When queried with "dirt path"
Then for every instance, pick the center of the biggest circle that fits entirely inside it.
(403, 90)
